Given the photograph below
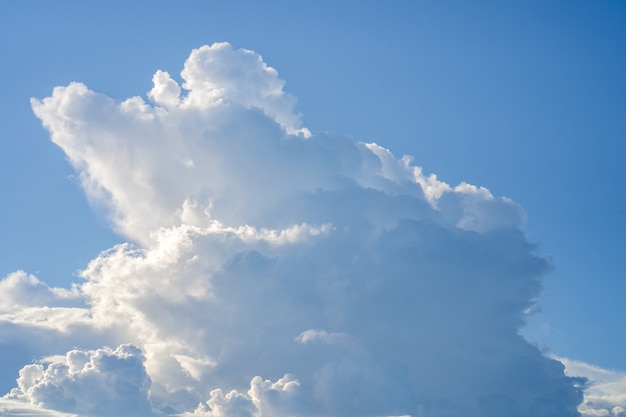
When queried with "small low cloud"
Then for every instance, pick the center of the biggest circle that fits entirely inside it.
(104, 382)
(264, 399)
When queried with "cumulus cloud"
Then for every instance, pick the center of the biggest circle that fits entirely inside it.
(264, 398)
(275, 272)
(105, 382)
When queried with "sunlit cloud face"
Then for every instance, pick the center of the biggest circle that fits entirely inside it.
(272, 271)
(606, 389)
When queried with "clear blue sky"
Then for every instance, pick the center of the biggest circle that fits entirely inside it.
(525, 98)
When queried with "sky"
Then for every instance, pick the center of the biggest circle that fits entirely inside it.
(257, 208)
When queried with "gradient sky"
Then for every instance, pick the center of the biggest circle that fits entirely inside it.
(527, 99)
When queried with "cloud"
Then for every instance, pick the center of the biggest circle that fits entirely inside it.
(17, 408)
(606, 389)
(271, 271)
(22, 290)
(264, 398)
(105, 382)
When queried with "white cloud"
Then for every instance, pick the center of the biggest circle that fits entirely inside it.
(605, 394)
(273, 272)
(264, 399)
(17, 408)
(22, 290)
(218, 73)
(105, 382)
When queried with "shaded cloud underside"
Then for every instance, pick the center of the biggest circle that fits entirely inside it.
(275, 272)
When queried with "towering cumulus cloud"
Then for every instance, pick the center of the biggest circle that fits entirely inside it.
(274, 272)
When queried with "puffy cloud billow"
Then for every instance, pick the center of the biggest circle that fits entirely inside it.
(102, 383)
(271, 271)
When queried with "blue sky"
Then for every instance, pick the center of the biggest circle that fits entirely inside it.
(527, 100)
